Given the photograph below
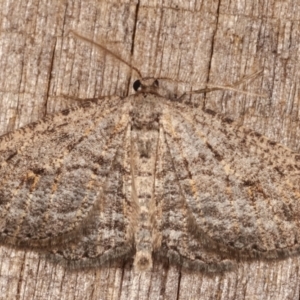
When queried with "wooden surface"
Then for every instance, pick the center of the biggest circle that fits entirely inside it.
(43, 69)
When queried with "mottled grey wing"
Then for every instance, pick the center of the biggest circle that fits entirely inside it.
(241, 190)
(108, 233)
(175, 238)
(53, 176)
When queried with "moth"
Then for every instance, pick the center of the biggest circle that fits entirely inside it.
(145, 178)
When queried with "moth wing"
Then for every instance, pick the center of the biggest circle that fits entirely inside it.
(175, 240)
(241, 189)
(108, 236)
(53, 173)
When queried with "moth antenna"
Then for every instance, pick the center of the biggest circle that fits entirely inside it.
(230, 88)
(85, 39)
(214, 87)
(243, 80)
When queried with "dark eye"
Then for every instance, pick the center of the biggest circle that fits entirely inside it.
(155, 83)
(136, 85)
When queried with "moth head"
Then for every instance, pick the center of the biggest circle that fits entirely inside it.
(146, 85)
(150, 85)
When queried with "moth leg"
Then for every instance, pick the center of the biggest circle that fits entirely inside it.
(73, 103)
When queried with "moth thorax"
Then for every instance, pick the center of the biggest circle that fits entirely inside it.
(145, 117)
(142, 261)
